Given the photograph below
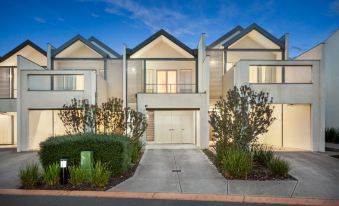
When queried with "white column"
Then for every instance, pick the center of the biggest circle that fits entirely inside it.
(124, 76)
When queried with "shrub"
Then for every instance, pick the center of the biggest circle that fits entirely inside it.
(100, 175)
(332, 135)
(279, 167)
(236, 162)
(136, 150)
(262, 154)
(113, 150)
(241, 117)
(52, 174)
(29, 175)
(77, 175)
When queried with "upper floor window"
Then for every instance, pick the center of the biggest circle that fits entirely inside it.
(280, 74)
(56, 82)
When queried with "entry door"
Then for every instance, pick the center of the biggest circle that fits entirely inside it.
(166, 81)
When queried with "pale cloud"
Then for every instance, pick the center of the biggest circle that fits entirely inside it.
(155, 18)
(334, 8)
(94, 15)
(40, 20)
(61, 19)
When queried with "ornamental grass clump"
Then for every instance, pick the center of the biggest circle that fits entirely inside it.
(100, 175)
(236, 162)
(262, 154)
(51, 174)
(29, 175)
(279, 167)
(77, 175)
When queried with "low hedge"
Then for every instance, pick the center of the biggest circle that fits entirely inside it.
(113, 150)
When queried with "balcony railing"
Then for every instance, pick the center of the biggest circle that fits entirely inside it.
(170, 88)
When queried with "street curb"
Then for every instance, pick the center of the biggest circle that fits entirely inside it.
(172, 196)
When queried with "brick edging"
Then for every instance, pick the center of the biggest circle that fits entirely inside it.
(172, 196)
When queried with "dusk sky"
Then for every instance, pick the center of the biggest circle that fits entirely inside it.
(125, 21)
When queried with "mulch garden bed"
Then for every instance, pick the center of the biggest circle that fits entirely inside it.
(88, 187)
(259, 172)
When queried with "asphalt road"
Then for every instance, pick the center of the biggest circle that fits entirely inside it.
(9, 200)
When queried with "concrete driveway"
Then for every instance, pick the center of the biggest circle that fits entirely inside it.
(317, 174)
(175, 171)
(10, 164)
(190, 171)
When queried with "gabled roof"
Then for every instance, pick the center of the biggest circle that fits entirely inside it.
(225, 36)
(83, 40)
(259, 29)
(164, 33)
(21, 46)
(103, 45)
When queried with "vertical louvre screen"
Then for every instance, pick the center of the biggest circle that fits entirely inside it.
(5, 83)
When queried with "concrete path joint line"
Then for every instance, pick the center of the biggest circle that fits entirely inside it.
(295, 186)
(177, 171)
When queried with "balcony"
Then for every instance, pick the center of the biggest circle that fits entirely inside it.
(286, 81)
(46, 89)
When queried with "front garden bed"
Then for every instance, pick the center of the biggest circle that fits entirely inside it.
(110, 160)
(259, 172)
(113, 181)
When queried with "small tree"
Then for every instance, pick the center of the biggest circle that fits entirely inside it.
(72, 117)
(135, 124)
(111, 117)
(241, 117)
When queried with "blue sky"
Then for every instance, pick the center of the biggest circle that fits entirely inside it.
(125, 21)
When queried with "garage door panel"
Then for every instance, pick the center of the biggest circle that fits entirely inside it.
(6, 124)
(297, 126)
(174, 127)
(162, 126)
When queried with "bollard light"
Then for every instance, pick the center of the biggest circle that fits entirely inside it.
(63, 163)
(63, 172)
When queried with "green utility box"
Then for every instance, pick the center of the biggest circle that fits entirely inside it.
(86, 163)
(86, 160)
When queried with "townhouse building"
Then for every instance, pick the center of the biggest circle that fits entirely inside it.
(174, 85)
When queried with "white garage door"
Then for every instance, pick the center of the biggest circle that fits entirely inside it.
(174, 127)
(292, 127)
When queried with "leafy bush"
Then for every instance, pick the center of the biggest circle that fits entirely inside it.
(262, 154)
(113, 150)
(136, 150)
(29, 175)
(332, 135)
(77, 175)
(52, 174)
(279, 167)
(241, 117)
(111, 117)
(100, 175)
(237, 162)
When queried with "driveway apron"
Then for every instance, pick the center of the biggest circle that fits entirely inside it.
(175, 171)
